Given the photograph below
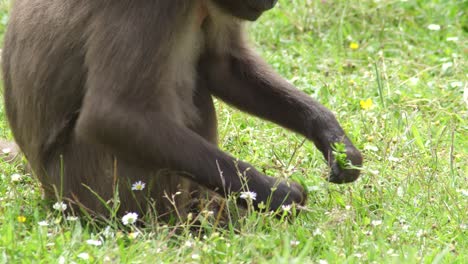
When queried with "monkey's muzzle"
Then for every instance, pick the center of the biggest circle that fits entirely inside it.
(262, 6)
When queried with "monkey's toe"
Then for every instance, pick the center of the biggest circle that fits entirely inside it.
(9, 151)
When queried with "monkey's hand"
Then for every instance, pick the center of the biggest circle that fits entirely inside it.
(345, 162)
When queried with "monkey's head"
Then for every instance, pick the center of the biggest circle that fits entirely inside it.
(246, 9)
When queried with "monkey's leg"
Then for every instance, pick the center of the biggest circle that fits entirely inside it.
(152, 141)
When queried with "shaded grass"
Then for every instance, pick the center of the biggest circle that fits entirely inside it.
(409, 206)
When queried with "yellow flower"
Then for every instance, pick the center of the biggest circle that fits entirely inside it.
(367, 104)
(354, 45)
(21, 218)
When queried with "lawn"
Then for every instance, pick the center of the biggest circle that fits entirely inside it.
(395, 74)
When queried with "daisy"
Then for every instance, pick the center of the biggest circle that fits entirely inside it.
(138, 186)
(93, 242)
(133, 235)
(294, 243)
(72, 218)
(249, 196)
(130, 218)
(84, 256)
(15, 177)
(434, 27)
(286, 208)
(60, 206)
(43, 223)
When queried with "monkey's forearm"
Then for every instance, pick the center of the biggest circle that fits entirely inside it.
(250, 85)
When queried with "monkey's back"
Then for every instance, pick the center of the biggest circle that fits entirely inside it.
(44, 74)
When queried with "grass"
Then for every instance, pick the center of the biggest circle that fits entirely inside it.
(397, 88)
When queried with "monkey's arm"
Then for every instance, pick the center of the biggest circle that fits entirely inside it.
(248, 83)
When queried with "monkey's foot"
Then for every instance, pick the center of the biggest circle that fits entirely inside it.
(9, 151)
(286, 193)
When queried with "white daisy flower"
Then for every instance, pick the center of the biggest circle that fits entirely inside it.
(133, 235)
(62, 260)
(434, 27)
(249, 196)
(60, 206)
(188, 244)
(83, 255)
(454, 39)
(43, 223)
(286, 208)
(130, 218)
(400, 191)
(72, 218)
(295, 243)
(463, 192)
(317, 232)
(108, 232)
(138, 186)
(420, 233)
(15, 177)
(94, 242)
(6, 150)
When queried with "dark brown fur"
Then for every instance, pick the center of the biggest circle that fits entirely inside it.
(98, 88)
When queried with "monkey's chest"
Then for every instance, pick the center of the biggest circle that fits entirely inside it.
(186, 50)
(182, 77)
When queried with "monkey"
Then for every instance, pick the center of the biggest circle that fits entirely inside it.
(101, 94)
